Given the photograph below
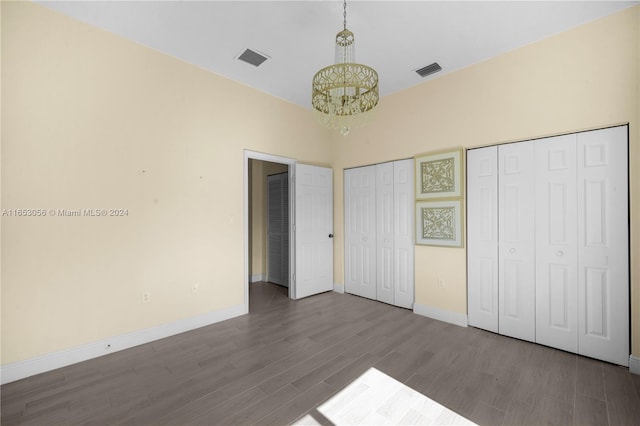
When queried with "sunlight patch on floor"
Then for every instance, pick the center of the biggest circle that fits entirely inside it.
(377, 399)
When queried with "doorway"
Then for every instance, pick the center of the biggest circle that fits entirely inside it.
(257, 166)
(310, 226)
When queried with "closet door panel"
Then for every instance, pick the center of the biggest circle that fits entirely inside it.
(360, 231)
(403, 195)
(482, 240)
(516, 295)
(384, 233)
(603, 245)
(556, 243)
(278, 229)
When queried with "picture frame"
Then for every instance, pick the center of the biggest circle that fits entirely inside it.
(439, 175)
(439, 223)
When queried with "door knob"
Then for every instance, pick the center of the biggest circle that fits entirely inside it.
(512, 250)
(330, 235)
(559, 253)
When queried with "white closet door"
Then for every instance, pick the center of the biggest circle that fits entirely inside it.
(603, 245)
(384, 233)
(556, 243)
(482, 230)
(403, 196)
(278, 229)
(516, 303)
(360, 232)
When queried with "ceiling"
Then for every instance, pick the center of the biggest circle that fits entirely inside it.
(394, 37)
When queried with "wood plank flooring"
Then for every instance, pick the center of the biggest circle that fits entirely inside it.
(285, 358)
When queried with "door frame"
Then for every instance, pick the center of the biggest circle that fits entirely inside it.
(290, 162)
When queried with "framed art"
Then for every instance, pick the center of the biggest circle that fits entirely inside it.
(439, 175)
(439, 223)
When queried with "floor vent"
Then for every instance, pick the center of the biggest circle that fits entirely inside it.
(252, 57)
(429, 69)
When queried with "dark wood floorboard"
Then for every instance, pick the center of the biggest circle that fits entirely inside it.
(285, 358)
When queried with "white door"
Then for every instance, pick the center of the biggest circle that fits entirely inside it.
(278, 229)
(385, 233)
(556, 243)
(403, 196)
(360, 231)
(314, 230)
(516, 304)
(482, 242)
(603, 245)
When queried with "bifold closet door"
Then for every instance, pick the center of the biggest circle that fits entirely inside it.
(516, 269)
(394, 233)
(278, 229)
(379, 217)
(482, 240)
(403, 243)
(603, 244)
(562, 242)
(384, 233)
(500, 219)
(360, 231)
(501, 268)
(556, 243)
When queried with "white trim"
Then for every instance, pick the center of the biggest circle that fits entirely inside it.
(258, 277)
(634, 364)
(440, 314)
(254, 155)
(338, 288)
(51, 361)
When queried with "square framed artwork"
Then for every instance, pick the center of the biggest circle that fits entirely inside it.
(439, 175)
(439, 223)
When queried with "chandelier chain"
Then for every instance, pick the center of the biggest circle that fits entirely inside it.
(344, 14)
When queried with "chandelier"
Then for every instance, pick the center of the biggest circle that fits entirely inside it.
(345, 94)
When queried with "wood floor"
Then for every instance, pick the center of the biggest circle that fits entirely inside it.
(285, 358)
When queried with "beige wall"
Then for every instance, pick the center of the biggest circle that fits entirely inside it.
(90, 120)
(258, 222)
(584, 78)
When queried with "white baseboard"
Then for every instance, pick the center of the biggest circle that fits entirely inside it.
(258, 277)
(634, 364)
(40, 364)
(441, 314)
(338, 288)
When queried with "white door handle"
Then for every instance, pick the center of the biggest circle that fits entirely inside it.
(559, 253)
(512, 250)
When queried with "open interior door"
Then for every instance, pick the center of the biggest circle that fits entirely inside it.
(313, 230)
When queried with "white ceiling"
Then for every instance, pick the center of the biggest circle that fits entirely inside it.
(394, 37)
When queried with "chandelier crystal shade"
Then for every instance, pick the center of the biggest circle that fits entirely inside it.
(345, 94)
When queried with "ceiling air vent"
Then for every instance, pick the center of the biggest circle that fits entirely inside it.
(429, 69)
(252, 57)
